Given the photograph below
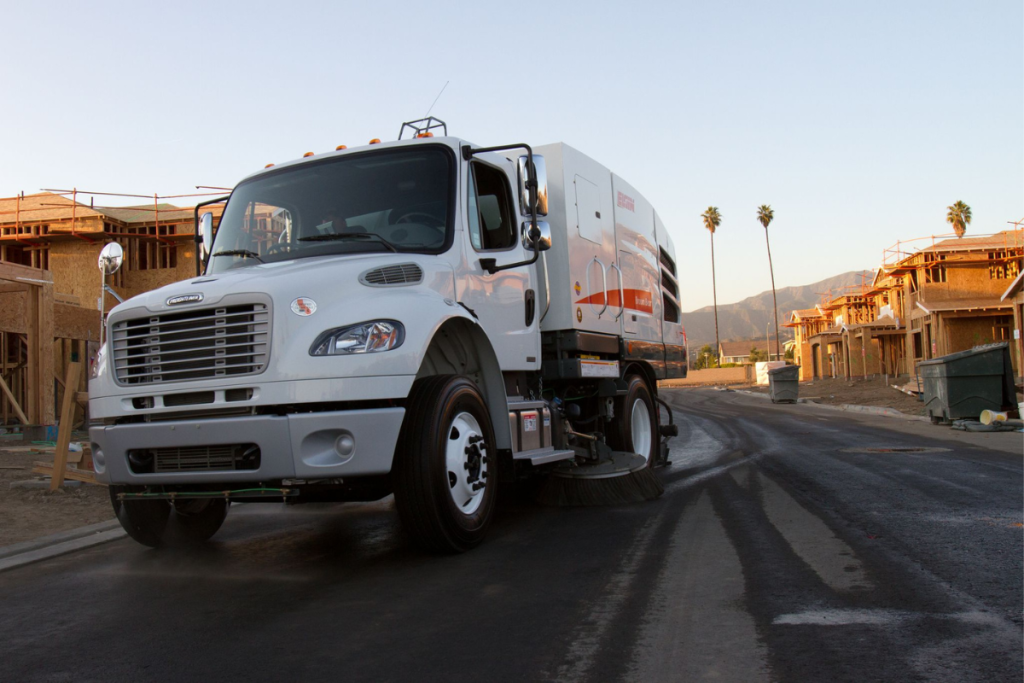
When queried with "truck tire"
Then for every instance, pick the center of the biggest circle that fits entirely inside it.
(144, 520)
(198, 520)
(634, 428)
(445, 452)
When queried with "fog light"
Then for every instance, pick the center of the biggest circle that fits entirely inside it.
(99, 462)
(345, 445)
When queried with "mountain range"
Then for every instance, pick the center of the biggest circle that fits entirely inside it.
(747, 319)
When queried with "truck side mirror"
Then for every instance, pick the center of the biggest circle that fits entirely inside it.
(541, 234)
(205, 234)
(542, 185)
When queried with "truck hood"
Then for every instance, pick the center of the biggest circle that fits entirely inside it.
(305, 299)
(284, 281)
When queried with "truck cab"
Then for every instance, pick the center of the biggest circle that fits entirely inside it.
(419, 317)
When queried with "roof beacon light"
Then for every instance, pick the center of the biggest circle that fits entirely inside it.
(268, 166)
(375, 141)
(428, 134)
(307, 154)
(340, 147)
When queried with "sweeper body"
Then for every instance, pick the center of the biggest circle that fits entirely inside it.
(421, 317)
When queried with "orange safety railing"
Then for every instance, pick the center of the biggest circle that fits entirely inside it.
(1009, 239)
(23, 215)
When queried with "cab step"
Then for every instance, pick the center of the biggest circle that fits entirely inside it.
(543, 456)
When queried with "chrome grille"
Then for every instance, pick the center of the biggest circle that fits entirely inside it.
(399, 274)
(192, 345)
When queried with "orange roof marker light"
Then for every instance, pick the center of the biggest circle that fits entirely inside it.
(307, 154)
(428, 134)
(340, 147)
(268, 166)
(375, 141)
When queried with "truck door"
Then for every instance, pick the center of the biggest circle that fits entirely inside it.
(505, 303)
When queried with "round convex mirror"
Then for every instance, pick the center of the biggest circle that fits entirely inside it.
(111, 257)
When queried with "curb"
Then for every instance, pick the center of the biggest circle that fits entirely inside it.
(873, 410)
(61, 543)
(847, 407)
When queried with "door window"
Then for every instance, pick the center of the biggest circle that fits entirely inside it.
(490, 218)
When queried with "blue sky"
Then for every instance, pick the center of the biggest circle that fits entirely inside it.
(858, 122)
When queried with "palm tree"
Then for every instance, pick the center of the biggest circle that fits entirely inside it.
(712, 219)
(959, 217)
(765, 216)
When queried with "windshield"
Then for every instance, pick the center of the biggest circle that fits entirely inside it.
(391, 200)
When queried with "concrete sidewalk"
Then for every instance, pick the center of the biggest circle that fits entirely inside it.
(62, 543)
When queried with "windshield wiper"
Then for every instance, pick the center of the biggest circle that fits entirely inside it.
(329, 237)
(239, 252)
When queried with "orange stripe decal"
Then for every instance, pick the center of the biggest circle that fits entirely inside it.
(636, 300)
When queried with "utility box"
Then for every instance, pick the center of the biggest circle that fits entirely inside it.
(784, 384)
(963, 384)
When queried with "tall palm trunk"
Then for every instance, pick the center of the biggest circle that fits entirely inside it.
(714, 294)
(775, 303)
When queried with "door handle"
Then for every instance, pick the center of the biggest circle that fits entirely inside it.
(622, 293)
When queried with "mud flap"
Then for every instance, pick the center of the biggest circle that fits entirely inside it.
(666, 432)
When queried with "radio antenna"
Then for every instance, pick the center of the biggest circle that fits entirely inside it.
(437, 98)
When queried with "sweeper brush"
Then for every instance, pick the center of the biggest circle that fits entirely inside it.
(615, 478)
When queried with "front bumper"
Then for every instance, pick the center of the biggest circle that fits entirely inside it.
(298, 446)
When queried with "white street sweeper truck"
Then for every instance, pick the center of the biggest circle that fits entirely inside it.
(422, 317)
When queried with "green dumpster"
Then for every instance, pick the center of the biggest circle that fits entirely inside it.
(784, 384)
(963, 384)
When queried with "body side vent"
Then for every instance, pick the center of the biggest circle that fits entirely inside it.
(396, 275)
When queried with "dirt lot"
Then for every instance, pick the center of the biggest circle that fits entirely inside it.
(869, 392)
(30, 513)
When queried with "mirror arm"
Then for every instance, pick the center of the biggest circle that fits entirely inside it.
(109, 290)
(197, 238)
(490, 264)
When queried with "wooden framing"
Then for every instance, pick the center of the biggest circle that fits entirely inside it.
(38, 284)
(14, 401)
(920, 305)
(67, 419)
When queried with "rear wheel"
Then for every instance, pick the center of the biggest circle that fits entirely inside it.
(445, 472)
(634, 428)
(144, 520)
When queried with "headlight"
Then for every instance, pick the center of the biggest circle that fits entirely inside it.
(99, 365)
(370, 337)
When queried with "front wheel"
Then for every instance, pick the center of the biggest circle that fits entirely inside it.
(634, 428)
(197, 520)
(144, 520)
(445, 473)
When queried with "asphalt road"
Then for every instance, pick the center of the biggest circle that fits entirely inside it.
(782, 550)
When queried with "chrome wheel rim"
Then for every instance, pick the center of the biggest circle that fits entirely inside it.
(466, 457)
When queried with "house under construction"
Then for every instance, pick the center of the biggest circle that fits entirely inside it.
(50, 284)
(929, 298)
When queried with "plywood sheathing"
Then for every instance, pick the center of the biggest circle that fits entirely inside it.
(71, 235)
